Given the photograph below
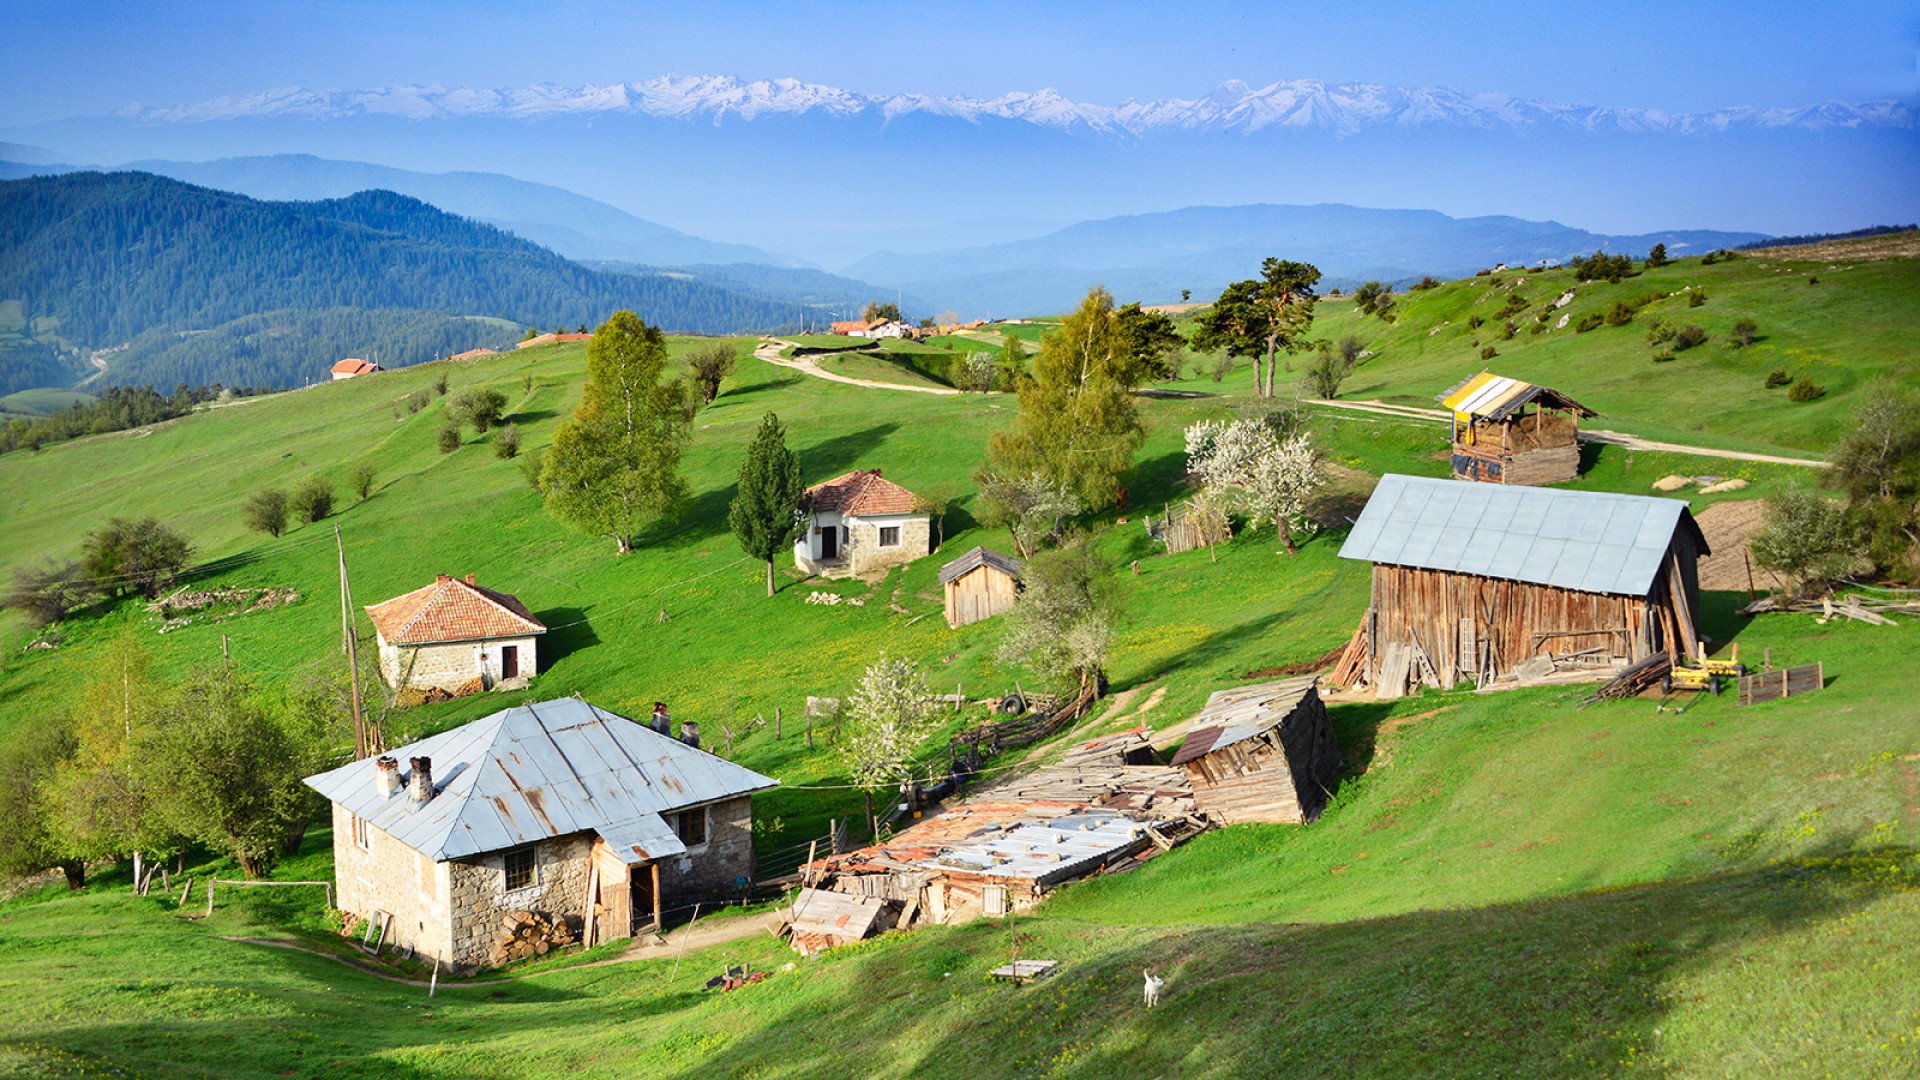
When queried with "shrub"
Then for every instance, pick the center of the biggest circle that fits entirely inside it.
(1538, 327)
(506, 442)
(440, 384)
(1602, 266)
(126, 554)
(1325, 371)
(1428, 282)
(1778, 377)
(1689, 336)
(1620, 314)
(480, 405)
(266, 511)
(312, 500)
(449, 438)
(1507, 332)
(1660, 331)
(417, 400)
(49, 592)
(1588, 322)
(526, 383)
(1657, 256)
(1515, 305)
(1662, 356)
(1805, 389)
(1482, 273)
(1807, 539)
(1489, 353)
(361, 481)
(711, 364)
(1813, 281)
(1222, 367)
(1696, 297)
(530, 468)
(1744, 331)
(1475, 322)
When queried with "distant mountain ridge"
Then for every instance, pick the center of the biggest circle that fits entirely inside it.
(110, 257)
(1231, 106)
(1152, 257)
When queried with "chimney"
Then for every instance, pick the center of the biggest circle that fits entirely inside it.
(441, 579)
(690, 733)
(386, 773)
(470, 580)
(420, 785)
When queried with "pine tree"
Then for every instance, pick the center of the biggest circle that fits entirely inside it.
(614, 468)
(1261, 317)
(766, 511)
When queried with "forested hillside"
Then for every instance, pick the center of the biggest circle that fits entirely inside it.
(109, 257)
(293, 348)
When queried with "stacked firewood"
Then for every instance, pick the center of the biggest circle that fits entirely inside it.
(1635, 679)
(529, 933)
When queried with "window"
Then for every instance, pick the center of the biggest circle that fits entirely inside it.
(362, 834)
(691, 827)
(889, 536)
(520, 868)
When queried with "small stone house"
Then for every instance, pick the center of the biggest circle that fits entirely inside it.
(352, 368)
(1264, 752)
(979, 585)
(558, 807)
(456, 635)
(860, 522)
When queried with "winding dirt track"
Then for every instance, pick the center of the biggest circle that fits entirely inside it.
(770, 352)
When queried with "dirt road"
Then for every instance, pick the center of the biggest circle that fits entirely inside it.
(770, 352)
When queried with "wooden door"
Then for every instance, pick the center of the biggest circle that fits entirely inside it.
(509, 661)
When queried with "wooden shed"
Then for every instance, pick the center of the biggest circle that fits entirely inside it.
(1475, 582)
(979, 585)
(1262, 753)
(1497, 440)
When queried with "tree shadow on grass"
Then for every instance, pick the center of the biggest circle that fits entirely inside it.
(568, 632)
(842, 453)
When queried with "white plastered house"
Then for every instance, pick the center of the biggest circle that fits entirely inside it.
(860, 522)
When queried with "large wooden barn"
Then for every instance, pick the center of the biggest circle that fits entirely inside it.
(1473, 582)
(1496, 440)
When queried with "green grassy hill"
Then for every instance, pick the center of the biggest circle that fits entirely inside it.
(1504, 885)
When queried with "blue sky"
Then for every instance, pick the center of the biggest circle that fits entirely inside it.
(92, 58)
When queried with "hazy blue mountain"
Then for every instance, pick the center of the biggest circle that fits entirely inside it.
(820, 293)
(111, 258)
(1152, 257)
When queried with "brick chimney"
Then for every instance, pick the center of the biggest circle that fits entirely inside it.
(690, 733)
(470, 580)
(442, 579)
(386, 773)
(420, 785)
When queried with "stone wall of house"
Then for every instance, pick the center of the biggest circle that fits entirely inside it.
(478, 895)
(453, 664)
(710, 870)
(389, 876)
(866, 554)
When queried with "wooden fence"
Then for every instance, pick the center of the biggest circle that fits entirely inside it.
(1786, 682)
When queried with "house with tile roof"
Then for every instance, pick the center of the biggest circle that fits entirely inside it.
(861, 522)
(555, 807)
(457, 636)
(352, 368)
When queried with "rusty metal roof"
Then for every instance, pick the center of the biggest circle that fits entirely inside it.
(1238, 714)
(1588, 541)
(537, 771)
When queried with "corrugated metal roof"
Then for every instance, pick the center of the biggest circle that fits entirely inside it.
(1488, 396)
(978, 557)
(1062, 848)
(1240, 713)
(538, 771)
(1588, 541)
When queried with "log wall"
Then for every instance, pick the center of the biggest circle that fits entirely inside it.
(1284, 775)
(980, 593)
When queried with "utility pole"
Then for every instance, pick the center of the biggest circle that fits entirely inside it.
(364, 742)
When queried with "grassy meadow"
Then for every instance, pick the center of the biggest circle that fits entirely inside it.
(1504, 885)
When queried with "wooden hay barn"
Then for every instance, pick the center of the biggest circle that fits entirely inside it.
(1478, 582)
(979, 585)
(1262, 753)
(1496, 440)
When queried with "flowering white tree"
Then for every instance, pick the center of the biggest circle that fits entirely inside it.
(888, 716)
(1274, 476)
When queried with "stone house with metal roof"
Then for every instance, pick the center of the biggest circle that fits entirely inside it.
(1496, 440)
(458, 636)
(1476, 582)
(558, 807)
(861, 522)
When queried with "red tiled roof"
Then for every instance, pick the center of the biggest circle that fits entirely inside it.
(862, 491)
(470, 354)
(452, 610)
(849, 327)
(352, 366)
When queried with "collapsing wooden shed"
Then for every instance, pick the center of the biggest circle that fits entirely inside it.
(979, 585)
(1262, 753)
(1497, 440)
(1472, 581)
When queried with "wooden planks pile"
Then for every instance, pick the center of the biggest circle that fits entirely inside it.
(1786, 682)
(529, 933)
(1636, 679)
(1868, 610)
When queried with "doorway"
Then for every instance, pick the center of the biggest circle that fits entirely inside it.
(509, 661)
(829, 544)
(640, 900)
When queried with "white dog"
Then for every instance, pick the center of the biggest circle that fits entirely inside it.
(1154, 983)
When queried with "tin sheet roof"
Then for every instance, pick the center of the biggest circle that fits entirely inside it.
(1488, 396)
(1064, 847)
(1588, 541)
(978, 557)
(537, 771)
(1237, 714)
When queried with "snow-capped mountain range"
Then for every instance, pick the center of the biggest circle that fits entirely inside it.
(1296, 104)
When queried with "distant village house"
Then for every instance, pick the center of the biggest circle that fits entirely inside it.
(860, 522)
(558, 808)
(458, 636)
(353, 368)
(551, 339)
